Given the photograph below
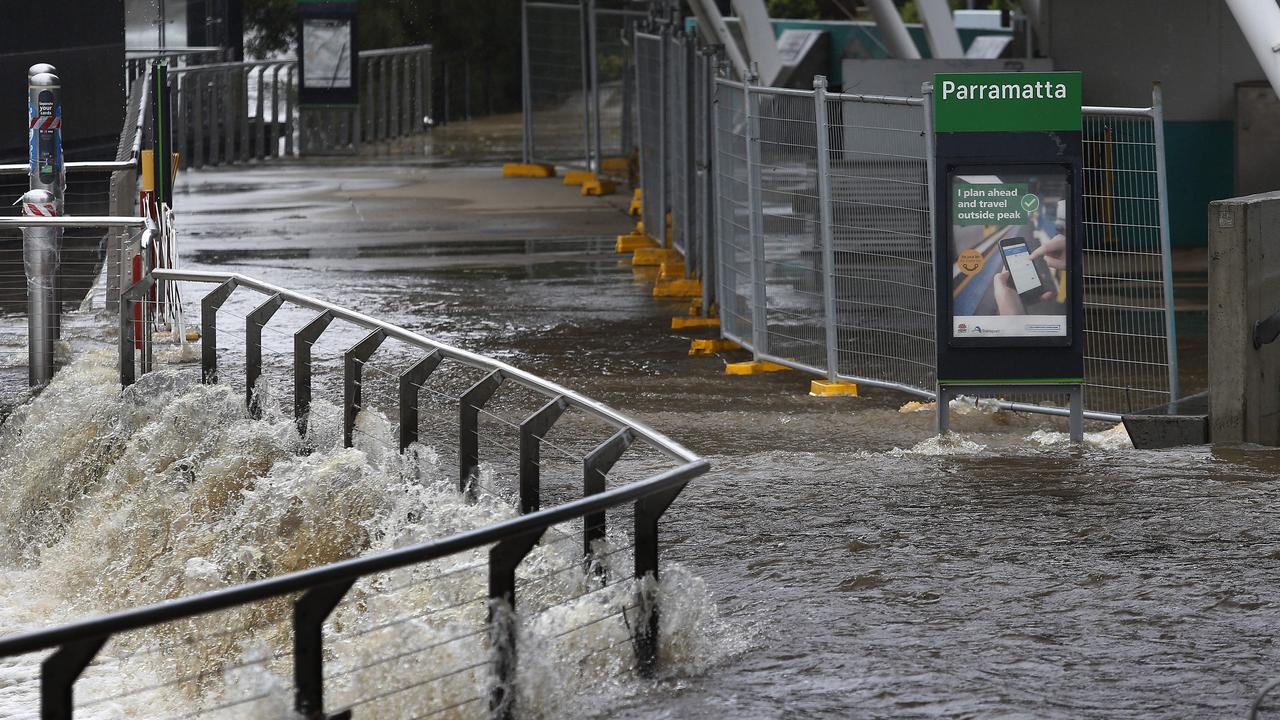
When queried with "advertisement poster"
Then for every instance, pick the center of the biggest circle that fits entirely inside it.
(326, 53)
(1010, 249)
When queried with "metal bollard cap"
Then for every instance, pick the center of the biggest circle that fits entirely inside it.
(44, 79)
(41, 68)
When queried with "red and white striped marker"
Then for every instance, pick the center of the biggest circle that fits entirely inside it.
(46, 122)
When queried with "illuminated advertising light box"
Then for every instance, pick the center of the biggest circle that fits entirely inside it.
(1008, 241)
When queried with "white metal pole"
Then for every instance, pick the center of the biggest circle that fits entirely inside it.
(1259, 20)
(944, 41)
(892, 30)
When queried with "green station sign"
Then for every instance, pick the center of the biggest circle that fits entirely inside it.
(1006, 102)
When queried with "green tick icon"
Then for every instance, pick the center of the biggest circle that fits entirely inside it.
(1030, 202)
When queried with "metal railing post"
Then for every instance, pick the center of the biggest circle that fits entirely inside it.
(309, 613)
(353, 361)
(824, 222)
(209, 330)
(291, 76)
(469, 430)
(303, 339)
(1166, 248)
(197, 88)
(253, 324)
(588, 92)
(128, 358)
(648, 511)
(58, 675)
(504, 558)
(595, 467)
(260, 137)
(594, 78)
(411, 381)
(532, 430)
(755, 224)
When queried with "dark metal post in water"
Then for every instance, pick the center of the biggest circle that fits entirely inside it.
(595, 467)
(532, 430)
(648, 510)
(469, 430)
(40, 246)
(504, 558)
(309, 613)
(411, 381)
(353, 361)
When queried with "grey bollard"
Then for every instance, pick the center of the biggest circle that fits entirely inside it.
(40, 260)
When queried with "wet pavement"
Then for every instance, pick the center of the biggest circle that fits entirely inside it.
(867, 569)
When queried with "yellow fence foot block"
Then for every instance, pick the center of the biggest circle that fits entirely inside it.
(636, 208)
(825, 388)
(682, 288)
(652, 256)
(711, 347)
(632, 242)
(578, 177)
(671, 269)
(753, 367)
(528, 170)
(597, 188)
(690, 323)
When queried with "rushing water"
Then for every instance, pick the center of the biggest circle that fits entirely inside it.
(114, 500)
(858, 566)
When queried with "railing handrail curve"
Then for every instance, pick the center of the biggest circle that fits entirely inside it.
(666, 445)
(353, 568)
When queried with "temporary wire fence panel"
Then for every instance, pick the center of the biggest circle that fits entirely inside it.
(882, 240)
(1127, 363)
(679, 124)
(790, 233)
(559, 115)
(615, 79)
(704, 211)
(650, 81)
(733, 212)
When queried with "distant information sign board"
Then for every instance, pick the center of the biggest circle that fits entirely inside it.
(1006, 102)
(327, 52)
(327, 43)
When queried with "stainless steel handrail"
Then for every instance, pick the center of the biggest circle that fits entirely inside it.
(76, 221)
(667, 446)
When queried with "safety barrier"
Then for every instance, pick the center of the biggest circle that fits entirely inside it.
(807, 217)
(245, 111)
(577, 82)
(826, 249)
(577, 515)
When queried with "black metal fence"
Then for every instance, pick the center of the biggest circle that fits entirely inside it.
(564, 487)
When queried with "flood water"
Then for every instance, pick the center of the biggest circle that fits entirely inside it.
(862, 567)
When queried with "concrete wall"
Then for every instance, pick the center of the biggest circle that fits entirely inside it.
(84, 39)
(1244, 287)
(1194, 48)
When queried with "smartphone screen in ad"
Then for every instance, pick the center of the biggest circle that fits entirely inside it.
(1017, 258)
(1009, 253)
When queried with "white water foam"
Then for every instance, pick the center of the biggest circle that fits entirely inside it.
(112, 500)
